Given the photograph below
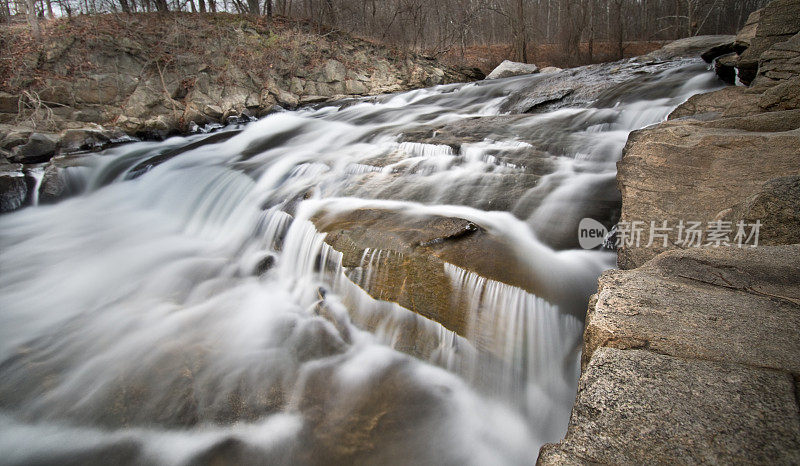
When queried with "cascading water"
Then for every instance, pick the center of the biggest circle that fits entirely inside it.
(181, 307)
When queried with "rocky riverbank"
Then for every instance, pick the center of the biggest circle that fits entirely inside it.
(95, 81)
(690, 354)
(154, 74)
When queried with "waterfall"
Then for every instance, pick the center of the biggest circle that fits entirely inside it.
(183, 304)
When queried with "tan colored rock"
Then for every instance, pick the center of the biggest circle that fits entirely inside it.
(731, 101)
(783, 96)
(779, 63)
(688, 170)
(703, 304)
(641, 407)
(745, 35)
(776, 206)
(777, 22)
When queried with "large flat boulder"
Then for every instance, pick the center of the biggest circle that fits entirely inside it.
(691, 358)
(401, 258)
(690, 170)
(702, 304)
(641, 407)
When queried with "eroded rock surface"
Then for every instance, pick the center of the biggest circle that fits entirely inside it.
(691, 358)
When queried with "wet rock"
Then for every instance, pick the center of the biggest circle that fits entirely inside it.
(408, 254)
(85, 138)
(39, 148)
(725, 67)
(510, 68)
(689, 47)
(776, 206)
(383, 414)
(13, 191)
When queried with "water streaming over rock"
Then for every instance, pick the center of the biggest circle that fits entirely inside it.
(182, 307)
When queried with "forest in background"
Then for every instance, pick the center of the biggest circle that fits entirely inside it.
(561, 32)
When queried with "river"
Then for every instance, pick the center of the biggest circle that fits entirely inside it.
(180, 307)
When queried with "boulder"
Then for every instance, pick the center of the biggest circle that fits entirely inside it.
(779, 63)
(783, 96)
(214, 111)
(689, 47)
(672, 355)
(13, 191)
(776, 206)
(509, 68)
(732, 101)
(777, 22)
(39, 148)
(86, 138)
(550, 69)
(745, 35)
(640, 407)
(690, 170)
(712, 53)
(334, 71)
(725, 67)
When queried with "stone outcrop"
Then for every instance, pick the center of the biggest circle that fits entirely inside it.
(691, 358)
(776, 206)
(690, 170)
(510, 68)
(145, 78)
(719, 148)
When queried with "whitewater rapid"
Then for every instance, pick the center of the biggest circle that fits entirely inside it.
(183, 308)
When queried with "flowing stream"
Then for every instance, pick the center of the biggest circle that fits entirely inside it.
(180, 307)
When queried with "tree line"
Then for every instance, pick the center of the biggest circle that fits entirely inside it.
(576, 27)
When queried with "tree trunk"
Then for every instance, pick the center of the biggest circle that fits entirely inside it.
(33, 22)
(520, 39)
(202, 5)
(123, 4)
(161, 6)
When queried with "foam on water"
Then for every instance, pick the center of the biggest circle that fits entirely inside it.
(180, 306)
